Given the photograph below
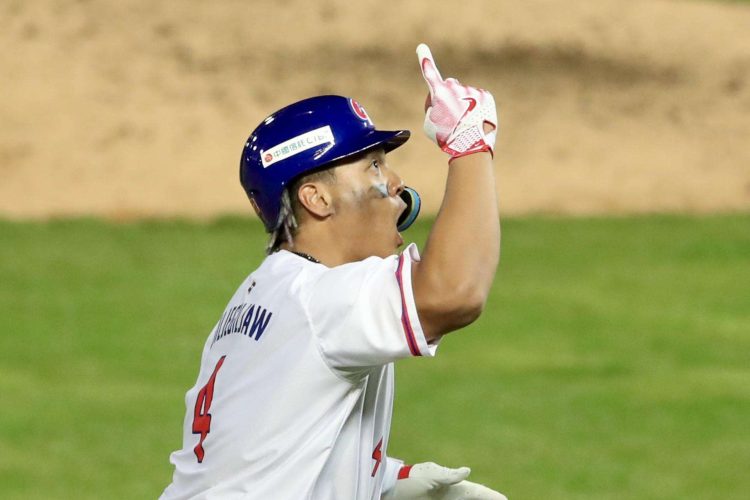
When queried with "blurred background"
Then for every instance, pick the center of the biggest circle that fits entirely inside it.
(140, 108)
(613, 359)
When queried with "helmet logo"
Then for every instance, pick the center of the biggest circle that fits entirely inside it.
(298, 144)
(359, 111)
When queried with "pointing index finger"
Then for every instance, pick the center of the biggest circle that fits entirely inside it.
(429, 69)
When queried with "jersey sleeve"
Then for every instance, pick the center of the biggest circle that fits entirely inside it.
(392, 469)
(363, 313)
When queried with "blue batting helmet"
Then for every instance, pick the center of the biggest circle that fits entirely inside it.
(307, 136)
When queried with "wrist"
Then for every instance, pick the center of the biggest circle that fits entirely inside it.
(403, 473)
(476, 158)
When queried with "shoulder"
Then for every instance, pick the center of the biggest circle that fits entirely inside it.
(358, 273)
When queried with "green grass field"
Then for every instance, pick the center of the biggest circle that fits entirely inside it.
(612, 362)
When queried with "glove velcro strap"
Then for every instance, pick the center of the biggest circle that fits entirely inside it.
(404, 472)
(478, 148)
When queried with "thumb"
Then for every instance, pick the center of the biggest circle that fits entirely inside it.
(439, 474)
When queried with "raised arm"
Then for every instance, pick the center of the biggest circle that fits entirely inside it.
(453, 280)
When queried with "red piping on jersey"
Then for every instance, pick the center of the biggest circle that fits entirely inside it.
(410, 338)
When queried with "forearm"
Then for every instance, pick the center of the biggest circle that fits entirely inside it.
(463, 248)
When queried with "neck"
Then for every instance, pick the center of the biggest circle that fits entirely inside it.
(327, 253)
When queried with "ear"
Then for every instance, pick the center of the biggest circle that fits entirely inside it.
(317, 198)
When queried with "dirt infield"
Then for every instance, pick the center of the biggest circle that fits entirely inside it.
(141, 108)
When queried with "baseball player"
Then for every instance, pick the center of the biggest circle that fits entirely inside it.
(295, 391)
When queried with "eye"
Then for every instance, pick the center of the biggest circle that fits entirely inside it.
(375, 164)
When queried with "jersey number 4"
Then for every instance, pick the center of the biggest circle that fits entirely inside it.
(201, 418)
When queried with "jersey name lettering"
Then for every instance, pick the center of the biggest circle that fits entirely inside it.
(250, 320)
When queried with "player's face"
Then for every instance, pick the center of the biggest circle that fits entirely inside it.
(367, 205)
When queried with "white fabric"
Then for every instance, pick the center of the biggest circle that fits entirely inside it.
(302, 401)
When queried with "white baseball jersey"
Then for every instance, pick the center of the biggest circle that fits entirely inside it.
(295, 390)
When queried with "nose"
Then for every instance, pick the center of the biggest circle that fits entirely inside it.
(398, 192)
(395, 184)
(398, 189)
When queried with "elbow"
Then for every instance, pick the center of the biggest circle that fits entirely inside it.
(468, 305)
(451, 311)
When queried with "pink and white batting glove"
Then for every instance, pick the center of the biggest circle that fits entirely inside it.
(428, 481)
(457, 115)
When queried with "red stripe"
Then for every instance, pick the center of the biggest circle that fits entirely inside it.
(410, 338)
(404, 472)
